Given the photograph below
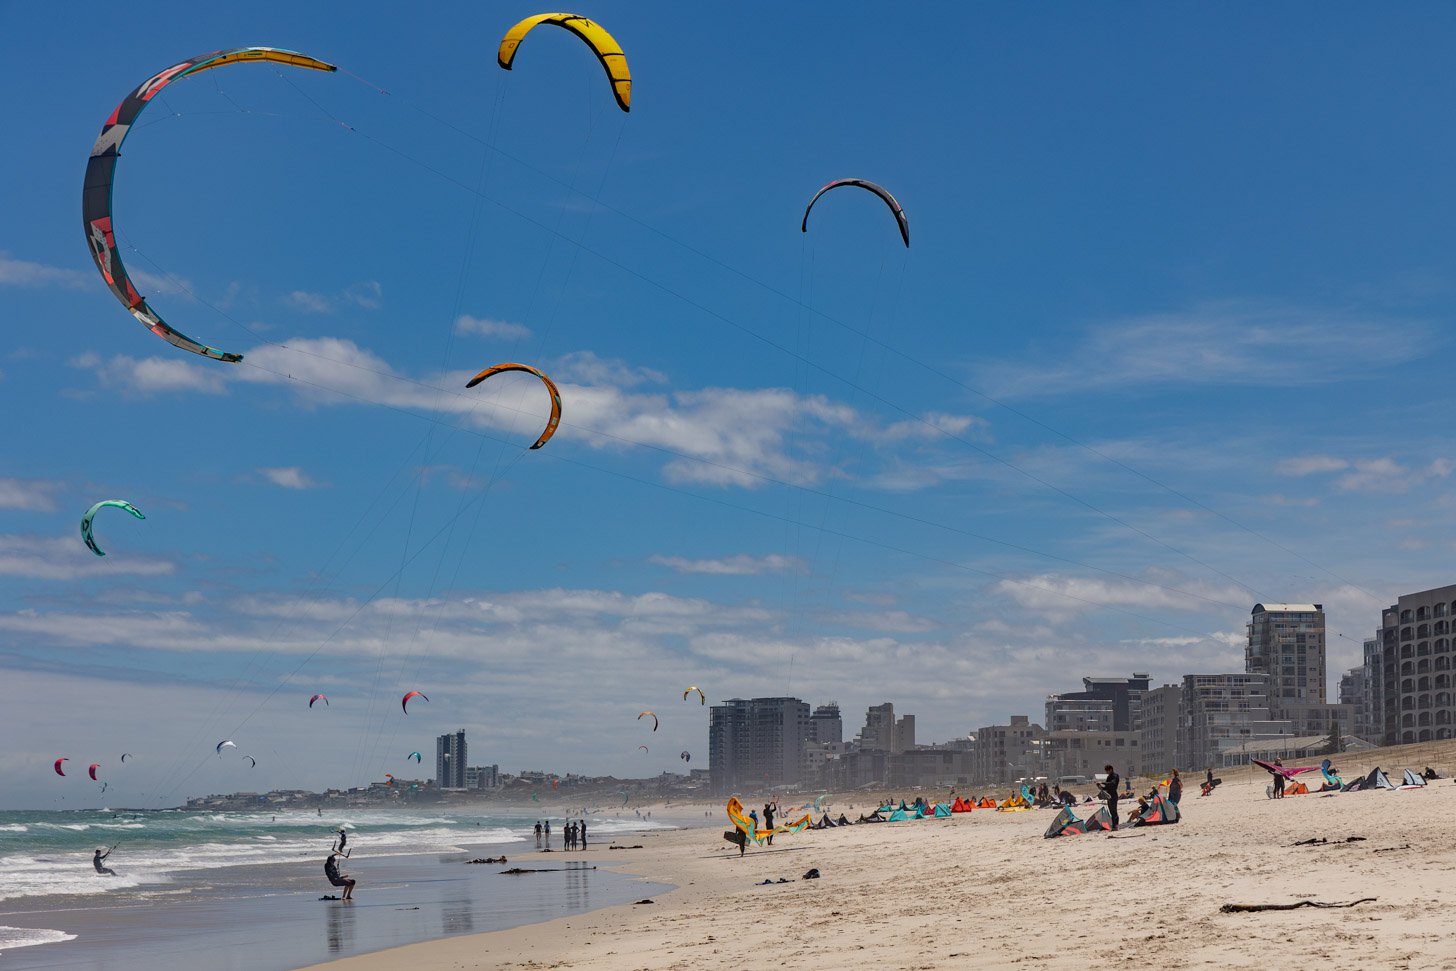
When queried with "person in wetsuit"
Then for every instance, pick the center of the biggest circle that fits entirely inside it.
(1110, 788)
(343, 839)
(331, 870)
(99, 858)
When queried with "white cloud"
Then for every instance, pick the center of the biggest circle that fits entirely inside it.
(289, 477)
(369, 294)
(24, 273)
(1231, 343)
(67, 558)
(585, 367)
(1311, 465)
(31, 495)
(1063, 594)
(489, 327)
(313, 303)
(739, 565)
(154, 375)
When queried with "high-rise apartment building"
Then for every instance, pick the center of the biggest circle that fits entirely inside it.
(878, 734)
(1417, 657)
(450, 760)
(1287, 643)
(825, 725)
(1006, 752)
(1158, 734)
(756, 743)
(1103, 705)
(1224, 713)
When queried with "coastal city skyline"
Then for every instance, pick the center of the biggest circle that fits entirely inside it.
(1125, 381)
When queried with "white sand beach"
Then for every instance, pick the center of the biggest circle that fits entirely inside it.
(987, 889)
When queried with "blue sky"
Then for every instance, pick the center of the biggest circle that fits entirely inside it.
(1170, 339)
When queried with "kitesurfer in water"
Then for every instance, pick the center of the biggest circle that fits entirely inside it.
(100, 857)
(331, 870)
(343, 839)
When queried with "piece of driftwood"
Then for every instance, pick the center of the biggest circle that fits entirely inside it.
(1253, 908)
(516, 871)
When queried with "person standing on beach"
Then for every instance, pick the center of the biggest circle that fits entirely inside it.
(548, 834)
(769, 808)
(331, 870)
(100, 858)
(538, 834)
(581, 832)
(1110, 788)
(1279, 780)
(1175, 788)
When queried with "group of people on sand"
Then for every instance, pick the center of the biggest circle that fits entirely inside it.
(573, 835)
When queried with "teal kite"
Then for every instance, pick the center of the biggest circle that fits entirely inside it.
(91, 514)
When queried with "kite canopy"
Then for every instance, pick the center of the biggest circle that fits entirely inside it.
(648, 714)
(686, 756)
(702, 698)
(555, 418)
(388, 779)
(746, 825)
(91, 770)
(645, 749)
(101, 173)
(404, 702)
(414, 755)
(874, 187)
(127, 755)
(58, 765)
(603, 45)
(324, 698)
(1286, 771)
(252, 760)
(225, 743)
(91, 514)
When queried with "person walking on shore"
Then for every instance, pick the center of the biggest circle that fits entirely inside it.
(548, 834)
(538, 834)
(1110, 787)
(769, 808)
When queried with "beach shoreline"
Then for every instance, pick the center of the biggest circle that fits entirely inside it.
(988, 887)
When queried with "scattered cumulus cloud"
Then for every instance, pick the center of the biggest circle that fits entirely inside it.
(289, 477)
(29, 495)
(313, 303)
(489, 327)
(153, 375)
(739, 565)
(24, 273)
(1229, 343)
(1383, 474)
(67, 558)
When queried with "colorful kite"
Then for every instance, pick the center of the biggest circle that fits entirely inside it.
(91, 514)
(101, 173)
(324, 698)
(745, 824)
(404, 702)
(91, 771)
(414, 755)
(702, 698)
(648, 714)
(225, 743)
(555, 418)
(606, 48)
(58, 766)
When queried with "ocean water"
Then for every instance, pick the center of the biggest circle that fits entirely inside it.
(172, 862)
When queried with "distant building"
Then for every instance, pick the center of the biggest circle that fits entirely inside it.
(482, 776)
(1158, 733)
(1414, 703)
(450, 760)
(825, 724)
(1286, 642)
(1221, 713)
(1372, 710)
(1004, 753)
(878, 734)
(1103, 705)
(756, 743)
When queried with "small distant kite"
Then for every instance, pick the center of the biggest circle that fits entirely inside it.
(252, 760)
(404, 702)
(555, 418)
(388, 779)
(648, 714)
(686, 756)
(58, 766)
(645, 748)
(555, 784)
(414, 755)
(91, 771)
(606, 48)
(225, 743)
(877, 189)
(91, 514)
(127, 755)
(702, 698)
(323, 698)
